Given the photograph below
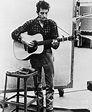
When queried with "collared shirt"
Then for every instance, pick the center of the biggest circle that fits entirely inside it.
(32, 27)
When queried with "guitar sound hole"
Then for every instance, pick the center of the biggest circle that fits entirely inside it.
(31, 50)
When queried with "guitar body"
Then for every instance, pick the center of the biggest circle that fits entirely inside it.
(22, 52)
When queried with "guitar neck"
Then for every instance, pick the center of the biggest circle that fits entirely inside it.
(50, 40)
(44, 42)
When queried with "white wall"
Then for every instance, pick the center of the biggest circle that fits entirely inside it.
(14, 13)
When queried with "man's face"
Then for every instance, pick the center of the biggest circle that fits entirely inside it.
(43, 13)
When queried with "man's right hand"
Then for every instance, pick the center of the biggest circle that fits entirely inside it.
(31, 44)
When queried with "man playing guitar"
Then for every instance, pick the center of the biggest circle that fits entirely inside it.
(48, 29)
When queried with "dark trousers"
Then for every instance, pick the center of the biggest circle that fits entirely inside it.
(44, 60)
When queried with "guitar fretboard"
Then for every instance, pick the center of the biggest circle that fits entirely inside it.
(50, 40)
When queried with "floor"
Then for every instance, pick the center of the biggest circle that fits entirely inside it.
(77, 97)
(72, 99)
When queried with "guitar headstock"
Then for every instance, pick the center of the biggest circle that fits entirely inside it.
(70, 38)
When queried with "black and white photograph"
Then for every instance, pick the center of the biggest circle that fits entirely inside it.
(45, 59)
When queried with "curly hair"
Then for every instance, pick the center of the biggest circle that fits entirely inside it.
(43, 5)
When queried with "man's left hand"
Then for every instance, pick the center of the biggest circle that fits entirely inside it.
(55, 43)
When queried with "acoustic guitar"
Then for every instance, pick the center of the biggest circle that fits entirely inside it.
(22, 50)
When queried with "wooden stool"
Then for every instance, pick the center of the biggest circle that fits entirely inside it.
(25, 74)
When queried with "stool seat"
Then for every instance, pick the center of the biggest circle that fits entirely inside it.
(25, 74)
(22, 73)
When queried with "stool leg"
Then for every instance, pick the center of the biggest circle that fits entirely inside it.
(38, 109)
(25, 94)
(4, 93)
(18, 85)
(37, 100)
